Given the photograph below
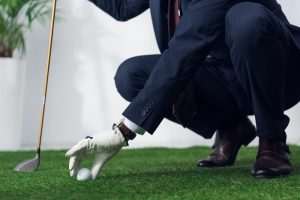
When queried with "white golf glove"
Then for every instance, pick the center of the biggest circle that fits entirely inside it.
(104, 145)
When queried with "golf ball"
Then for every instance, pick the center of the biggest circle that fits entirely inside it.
(84, 174)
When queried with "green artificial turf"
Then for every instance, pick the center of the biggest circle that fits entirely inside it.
(156, 173)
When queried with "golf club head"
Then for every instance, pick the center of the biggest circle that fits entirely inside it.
(28, 165)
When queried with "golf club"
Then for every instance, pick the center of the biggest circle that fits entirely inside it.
(33, 164)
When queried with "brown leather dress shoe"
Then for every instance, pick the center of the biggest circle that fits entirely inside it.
(273, 160)
(228, 143)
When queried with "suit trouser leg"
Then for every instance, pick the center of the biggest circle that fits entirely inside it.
(215, 106)
(262, 54)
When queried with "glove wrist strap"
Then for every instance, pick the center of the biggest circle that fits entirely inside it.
(126, 132)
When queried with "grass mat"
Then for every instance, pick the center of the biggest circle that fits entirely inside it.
(154, 173)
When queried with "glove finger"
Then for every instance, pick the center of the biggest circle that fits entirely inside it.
(71, 162)
(76, 164)
(96, 168)
(100, 160)
(75, 161)
(81, 146)
(73, 173)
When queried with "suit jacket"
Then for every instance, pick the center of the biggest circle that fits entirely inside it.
(200, 31)
(123, 10)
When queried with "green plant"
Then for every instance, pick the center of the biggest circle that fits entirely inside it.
(17, 17)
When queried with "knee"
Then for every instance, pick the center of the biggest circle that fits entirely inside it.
(124, 79)
(245, 25)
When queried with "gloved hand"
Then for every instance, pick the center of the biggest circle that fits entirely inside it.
(104, 145)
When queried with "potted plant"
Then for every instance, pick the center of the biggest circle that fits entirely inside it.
(16, 18)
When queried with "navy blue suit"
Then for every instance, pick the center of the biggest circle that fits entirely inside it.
(241, 57)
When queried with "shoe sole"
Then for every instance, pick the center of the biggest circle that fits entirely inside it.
(270, 177)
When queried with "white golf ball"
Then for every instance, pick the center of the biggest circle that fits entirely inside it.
(84, 174)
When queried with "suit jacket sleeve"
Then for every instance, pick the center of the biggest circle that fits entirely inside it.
(199, 28)
(122, 10)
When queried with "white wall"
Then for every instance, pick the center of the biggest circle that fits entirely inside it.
(88, 47)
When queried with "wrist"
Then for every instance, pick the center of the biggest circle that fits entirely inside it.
(126, 132)
(133, 126)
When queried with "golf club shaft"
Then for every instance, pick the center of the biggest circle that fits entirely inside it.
(47, 74)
